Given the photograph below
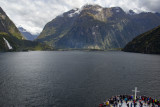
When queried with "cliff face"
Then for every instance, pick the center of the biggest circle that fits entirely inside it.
(6, 43)
(12, 40)
(6, 25)
(9, 34)
(94, 27)
(148, 42)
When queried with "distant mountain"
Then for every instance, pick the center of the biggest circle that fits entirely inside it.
(157, 14)
(12, 40)
(148, 42)
(27, 34)
(94, 27)
(131, 12)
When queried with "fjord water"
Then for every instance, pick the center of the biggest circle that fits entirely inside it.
(75, 78)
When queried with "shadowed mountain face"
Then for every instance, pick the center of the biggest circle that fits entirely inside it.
(148, 42)
(27, 34)
(9, 34)
(94, 27)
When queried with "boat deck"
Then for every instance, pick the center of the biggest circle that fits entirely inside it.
(131, 104)
(129, 101)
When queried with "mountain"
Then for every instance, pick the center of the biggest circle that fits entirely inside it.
(148, 42)
(6, 25)
(95, 27)
(131, 12)
(27, 34)
(10, 43)
(12, 40)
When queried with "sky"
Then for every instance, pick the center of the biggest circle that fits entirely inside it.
(33, 15)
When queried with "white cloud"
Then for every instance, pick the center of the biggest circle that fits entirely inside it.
(34, 14)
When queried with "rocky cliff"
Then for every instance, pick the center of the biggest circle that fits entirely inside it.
(12, 40)
(95, 27)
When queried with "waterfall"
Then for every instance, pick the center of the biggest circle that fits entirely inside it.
(9, 46)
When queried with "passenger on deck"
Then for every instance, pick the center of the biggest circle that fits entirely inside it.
(125, 100)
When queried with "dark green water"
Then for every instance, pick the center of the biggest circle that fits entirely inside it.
(75, 78)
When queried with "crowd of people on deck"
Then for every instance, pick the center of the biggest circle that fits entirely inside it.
(130, 101)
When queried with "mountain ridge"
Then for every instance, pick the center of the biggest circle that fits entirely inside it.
(148, 42)
(6, 25)
(95, 27)
(27, 34)
(12, 40)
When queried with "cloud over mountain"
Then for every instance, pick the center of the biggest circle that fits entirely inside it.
(34, 14)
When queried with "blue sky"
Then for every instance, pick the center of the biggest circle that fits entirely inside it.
(34, 14)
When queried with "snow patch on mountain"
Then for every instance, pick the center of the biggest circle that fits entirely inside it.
(61, 15)
(76, 12)
(28, 35)
(117, 9)
(131, 12)
(22, 29)
(100, 9)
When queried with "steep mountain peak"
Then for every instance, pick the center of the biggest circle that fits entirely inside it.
(74, 12)
(21, 29)
(2, 14)
(131, 12)
(103, 14)
(27, 34)
(6, 25)
(117, 10)
(71, 13)
(95, 11)
(90, 6)
(1, 11)
(95, 27)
